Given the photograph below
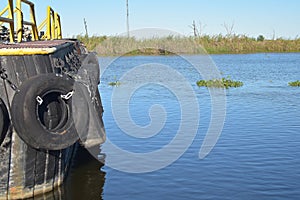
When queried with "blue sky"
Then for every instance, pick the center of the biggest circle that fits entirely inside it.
(108, 17)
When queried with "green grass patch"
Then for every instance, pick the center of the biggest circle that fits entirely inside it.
(295, 83)
(219, 83)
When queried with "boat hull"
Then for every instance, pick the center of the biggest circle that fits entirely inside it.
(26, 171)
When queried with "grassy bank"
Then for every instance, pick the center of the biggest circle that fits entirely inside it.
(219, 44)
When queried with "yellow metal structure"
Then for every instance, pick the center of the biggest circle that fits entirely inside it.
(9, 19)
(21, 22)
(52, 21)
(27, 51)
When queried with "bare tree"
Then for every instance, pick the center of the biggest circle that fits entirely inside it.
(86, 29)
(274, 35)
(201, 28)
(229, 29)
(194, 29)
(197, 30)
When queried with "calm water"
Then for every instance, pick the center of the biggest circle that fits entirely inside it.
(256, 157)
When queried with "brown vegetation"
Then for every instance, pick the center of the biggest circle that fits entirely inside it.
(218, 44)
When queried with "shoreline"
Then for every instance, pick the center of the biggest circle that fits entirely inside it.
(192, 54)
(218, 45)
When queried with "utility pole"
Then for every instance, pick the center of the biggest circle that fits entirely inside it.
(127, 14)
(85, 26)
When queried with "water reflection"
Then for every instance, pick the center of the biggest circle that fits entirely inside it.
(85, 180)
(257, 155)
(88, 181)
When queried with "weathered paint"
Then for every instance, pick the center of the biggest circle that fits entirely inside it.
(25, 171)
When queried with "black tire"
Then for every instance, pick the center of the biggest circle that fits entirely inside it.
(4, 121)
(95, 134)
(80, 110)
(90, 75)
(88, 78)
(90, 65)
(49, 126)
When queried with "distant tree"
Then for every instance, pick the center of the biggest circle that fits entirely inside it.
(229, 29)
(86, 29)
(127, 18)
(197, 30)
(260, 38)
(194, 27)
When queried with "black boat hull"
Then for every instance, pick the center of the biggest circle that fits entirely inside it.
(26, 171)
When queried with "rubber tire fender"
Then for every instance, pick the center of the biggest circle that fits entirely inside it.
(95, 134)
(28, 116)
(90, 66)
(4, 120)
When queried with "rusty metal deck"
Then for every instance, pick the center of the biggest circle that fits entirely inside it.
(33, 47)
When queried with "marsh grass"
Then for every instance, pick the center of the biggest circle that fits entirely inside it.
(217, 44)
(220, 83)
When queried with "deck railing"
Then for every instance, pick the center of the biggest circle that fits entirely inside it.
(21, 22)
(53, 25)
(52, 22)
(9, 19)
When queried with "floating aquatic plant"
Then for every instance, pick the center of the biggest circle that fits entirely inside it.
(295, 83)
(219, 83)
(115, 83)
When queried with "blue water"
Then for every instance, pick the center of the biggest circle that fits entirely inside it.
(256, 157)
